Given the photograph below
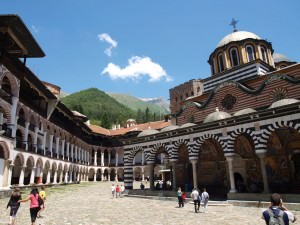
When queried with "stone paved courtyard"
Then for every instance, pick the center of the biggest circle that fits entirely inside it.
(92, 204)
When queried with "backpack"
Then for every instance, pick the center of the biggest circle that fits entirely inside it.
(40, 201)
(276, 219)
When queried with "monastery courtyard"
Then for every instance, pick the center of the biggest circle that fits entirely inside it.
(92, 204)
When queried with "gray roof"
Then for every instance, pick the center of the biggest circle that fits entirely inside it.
(187, 125)
(244, 111)
(283, 102)
(148, 132)
(237, 36)
(215, 116)
(168, 128)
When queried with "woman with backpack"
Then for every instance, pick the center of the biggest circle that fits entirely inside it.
(14, 205)
(34, 204)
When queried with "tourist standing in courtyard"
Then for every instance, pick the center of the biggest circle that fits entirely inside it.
(34, 204)
(14, 205)
(113, 190)
(122, 190)
(42, 194)
(195, 197)
(179, 196)
(204, 197)
(118, 191)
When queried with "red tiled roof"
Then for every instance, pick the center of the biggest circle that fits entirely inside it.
(158, 125)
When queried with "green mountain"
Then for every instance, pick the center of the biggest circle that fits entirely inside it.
(138, 104)
(99, 107)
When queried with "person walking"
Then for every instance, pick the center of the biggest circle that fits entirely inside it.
(179, 196)
(14, 205)
(122, 190)
(277, 213)
(118, 191)
(113, 190)
(42, 194)
(195, 197)
(205, 198)
(34, 204)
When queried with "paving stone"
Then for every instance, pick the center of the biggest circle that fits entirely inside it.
(92, 204)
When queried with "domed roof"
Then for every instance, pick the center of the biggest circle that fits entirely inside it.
(244, 111)
(168, 128)
(280, 58)
(187, 125)
(283, 102)
(147, 132)
(217, 115)
(237, 36)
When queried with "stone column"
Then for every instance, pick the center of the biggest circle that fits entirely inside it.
(6, 179)
(21, 179)
(108, 176)
(44, 142)
(151, 176)
(13, 116)
(32, 176)
(143, 174)
(66, 176)
(109, 155)
(174, 185)
(9, 175)
(55, 177)
(68, 150)
(41, 175)
(61, 176)
(95, 176)
(95, 158)
(261, 157)
(72, 152)
(102, 176)
(194, 165)
(143, 156)
(75, 158)
(231, 176)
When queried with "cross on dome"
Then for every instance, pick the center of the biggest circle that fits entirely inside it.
(233, 24)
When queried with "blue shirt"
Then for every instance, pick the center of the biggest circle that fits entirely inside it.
(276, 211)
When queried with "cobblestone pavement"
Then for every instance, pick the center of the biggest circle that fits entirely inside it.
(92, 204)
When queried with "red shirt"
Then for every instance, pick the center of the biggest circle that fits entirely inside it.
(117, 189)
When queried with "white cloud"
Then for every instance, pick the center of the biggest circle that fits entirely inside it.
(136, 68)
(106, 38)
(35, 30)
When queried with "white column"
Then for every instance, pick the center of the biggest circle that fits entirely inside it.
(194, 163)
(51, 144)
(1, 118)
(61, 176)
(117, 157)
(102, 176)
(231, 176)
(95, 158)
(35, 138)
(71, 177)
(76, 147)
(95, 176)
(109, 155)
(9, 175)
(21, 179)
(72, 152)
(57, 147)
(66, 176)
(55, 177)
(102, 157)
(44, 142)
(48, 177)
(13, 116)
(68, 150)
(25, 138)
(32, 176)
(63, 149)
(143, 155)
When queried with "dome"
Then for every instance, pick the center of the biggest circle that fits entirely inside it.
(147, 132)
(244, 111)
(217, 115)
(187, 125)
(280, 58)
(168, 128)
(237, 36)
(283, 102)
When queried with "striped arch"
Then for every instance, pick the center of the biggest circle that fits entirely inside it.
(233, 135)
(14, 83)
(150, 156)
(5, 108)
(195, 151)
(132, 153)
(179, 143)
(265, 134)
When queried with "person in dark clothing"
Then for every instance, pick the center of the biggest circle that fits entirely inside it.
(274, 214)
(14, 205)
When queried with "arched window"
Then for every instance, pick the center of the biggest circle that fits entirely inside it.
(221, 63)
(263, 52)
(234, 57)
(250, 53)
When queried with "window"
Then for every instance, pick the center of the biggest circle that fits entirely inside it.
(221, 63)
(263, 52)
(234, 57)
(186, 95)
(250, 53)
(192, 93)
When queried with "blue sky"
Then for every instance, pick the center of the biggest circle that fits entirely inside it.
(144, 48)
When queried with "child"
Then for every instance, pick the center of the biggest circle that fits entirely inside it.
(42, 194)
(14, 205)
